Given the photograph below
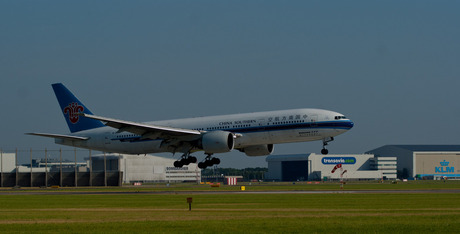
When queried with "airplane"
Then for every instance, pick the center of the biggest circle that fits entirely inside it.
(254, 134)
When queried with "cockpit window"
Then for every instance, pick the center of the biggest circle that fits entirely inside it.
(340, 117)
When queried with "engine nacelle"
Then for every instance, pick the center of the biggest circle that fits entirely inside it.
(217, 142)
(259, 150)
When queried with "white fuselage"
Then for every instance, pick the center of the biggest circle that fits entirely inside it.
(260, 128)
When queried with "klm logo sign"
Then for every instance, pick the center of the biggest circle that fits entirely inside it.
(444, 168)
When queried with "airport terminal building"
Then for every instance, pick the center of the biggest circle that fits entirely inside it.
(302, 167)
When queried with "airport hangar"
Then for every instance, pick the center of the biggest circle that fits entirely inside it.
(424, 161)
(302, 167)
(125, 168)
(386, 162)
(147, 168)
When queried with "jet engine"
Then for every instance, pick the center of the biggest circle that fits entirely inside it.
(217, 142)
(258, 150)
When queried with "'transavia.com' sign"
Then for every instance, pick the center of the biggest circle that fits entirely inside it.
(338, 160)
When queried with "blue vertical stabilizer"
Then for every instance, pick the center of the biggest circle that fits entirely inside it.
(71, 107)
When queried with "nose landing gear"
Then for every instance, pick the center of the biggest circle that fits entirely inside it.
(325, 141)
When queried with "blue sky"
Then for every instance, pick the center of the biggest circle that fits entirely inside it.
(391, 66)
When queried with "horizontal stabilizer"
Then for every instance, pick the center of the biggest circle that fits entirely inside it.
(59, 136)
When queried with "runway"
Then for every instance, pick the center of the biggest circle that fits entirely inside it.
(134, 192)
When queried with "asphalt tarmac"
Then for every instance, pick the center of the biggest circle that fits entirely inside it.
(76, 192)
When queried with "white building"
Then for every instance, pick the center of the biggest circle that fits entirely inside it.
(7, 162)
(301, 167)
(386, 165)
(146, 168)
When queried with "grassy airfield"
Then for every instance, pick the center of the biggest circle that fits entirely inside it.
(141, 209)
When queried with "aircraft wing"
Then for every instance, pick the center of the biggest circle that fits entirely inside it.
(59, 136)
(147, 131)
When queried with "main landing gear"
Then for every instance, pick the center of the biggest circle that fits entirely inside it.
(208, 162)
(325, 141)
(185, 160)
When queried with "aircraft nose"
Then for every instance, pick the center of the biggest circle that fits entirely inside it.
(345, 125)
(348, 124)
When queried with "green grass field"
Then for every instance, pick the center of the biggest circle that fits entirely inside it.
(58, 212)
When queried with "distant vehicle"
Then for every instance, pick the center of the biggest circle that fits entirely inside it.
(252, 133)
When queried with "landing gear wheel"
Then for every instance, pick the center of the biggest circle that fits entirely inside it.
(202, 165)
(192, 159)
(324, 151)
(185, 161)
(208, 163)
(178, 164)
(215, 161)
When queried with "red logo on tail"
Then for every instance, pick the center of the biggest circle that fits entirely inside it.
(73, 109)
